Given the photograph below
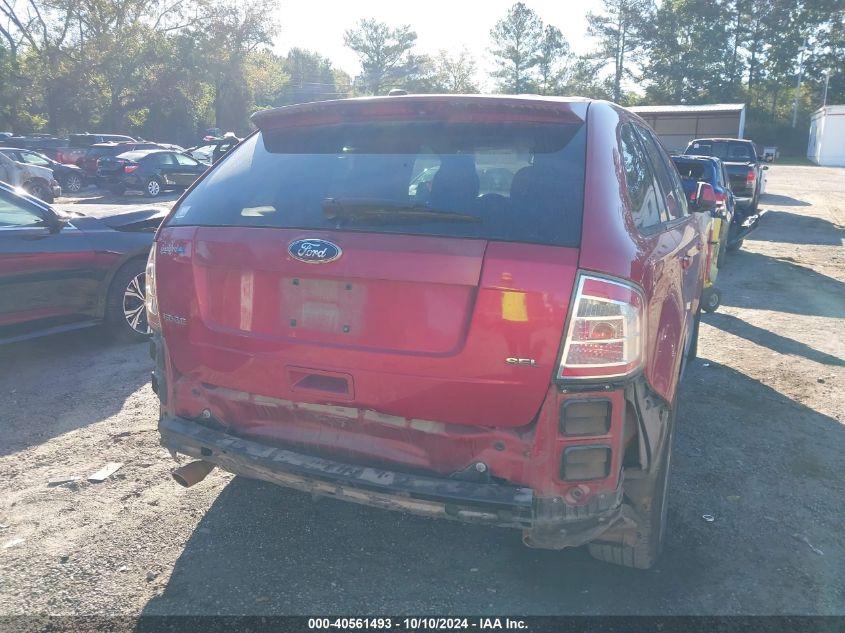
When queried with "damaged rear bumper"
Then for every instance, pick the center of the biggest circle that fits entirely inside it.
(548, 522)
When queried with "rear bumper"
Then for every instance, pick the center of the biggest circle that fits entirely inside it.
(549, 521)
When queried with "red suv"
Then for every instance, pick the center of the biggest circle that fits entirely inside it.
(325, 319)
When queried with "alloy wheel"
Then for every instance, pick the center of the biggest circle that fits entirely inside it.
(73, 183)
(134, 304)
(153, 188)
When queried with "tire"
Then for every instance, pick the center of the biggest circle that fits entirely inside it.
(40, 191)
(692, 353)
(647, 496)
(152, 188)
(72, 183)
(126, 316)
(735, 246)
(711, 299)
(755, 203)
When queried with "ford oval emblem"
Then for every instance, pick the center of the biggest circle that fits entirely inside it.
(314, 251)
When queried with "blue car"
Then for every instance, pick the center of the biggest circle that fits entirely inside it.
(695, 169)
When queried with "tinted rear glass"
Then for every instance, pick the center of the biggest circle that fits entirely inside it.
(694, 171)
(726, 150)
(501, 181)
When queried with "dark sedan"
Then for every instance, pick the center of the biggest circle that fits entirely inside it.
(150, 171)
(62, 272)
(70, 177)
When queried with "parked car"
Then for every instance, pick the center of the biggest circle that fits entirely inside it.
(33, 179)
(213, 150)
(63, 272)
(90, 162)
(770, 153)
(150, 171)
(709, 169)
(70, 177)
(747, 180)
(503, 359)
(47, 145)
(5, 135)
(78, 145)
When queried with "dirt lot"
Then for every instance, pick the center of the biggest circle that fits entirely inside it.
(760, 448)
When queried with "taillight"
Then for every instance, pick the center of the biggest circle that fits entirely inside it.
(128, 169)
(605, 334)
(152, 298)
(750, 177)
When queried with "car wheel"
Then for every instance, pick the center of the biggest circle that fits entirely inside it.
(647, 496)
(152, 187)
(126, 315)
(39, 190)
(72, 183)
(711, 299)
(755, 203)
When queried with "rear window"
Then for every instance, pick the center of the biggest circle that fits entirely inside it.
(500, 181)
(726, 150)
(694, 171)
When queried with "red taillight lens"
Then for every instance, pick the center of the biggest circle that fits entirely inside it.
(128, 169)
(750, 177)
(604, 337)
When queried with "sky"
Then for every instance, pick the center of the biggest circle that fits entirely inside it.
(439, 24)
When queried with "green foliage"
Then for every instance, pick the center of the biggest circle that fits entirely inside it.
(619, 30)
(517, 40)
(384, 53)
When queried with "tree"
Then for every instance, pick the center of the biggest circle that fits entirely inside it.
(517, 40)
(455, 74)
(682, 61)
(310, 78)
(618, 30)
(553, 61)
(384, 53)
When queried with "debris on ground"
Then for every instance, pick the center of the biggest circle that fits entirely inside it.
(14, 542)
(63, 479)
(708, 517)
(105, 472)
(804, 539)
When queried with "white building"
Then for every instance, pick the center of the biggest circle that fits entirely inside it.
(827, 136)
(677, 125)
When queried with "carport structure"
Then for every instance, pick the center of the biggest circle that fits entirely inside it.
(677, 125)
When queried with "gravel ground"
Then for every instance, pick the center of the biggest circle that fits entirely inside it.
(759, 447)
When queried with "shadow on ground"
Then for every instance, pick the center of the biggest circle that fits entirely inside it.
(780, 285)
(261, 549)
(777, 200)
(794, 228)
(82, 374)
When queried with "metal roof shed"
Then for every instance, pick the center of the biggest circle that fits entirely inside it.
(677, 125)
(826, 145)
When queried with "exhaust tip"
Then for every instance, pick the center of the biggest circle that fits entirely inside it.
(192, 473)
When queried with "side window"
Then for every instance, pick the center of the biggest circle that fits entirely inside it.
(667, 176)
(186, 161)
(164, 159)
(14, 215)
(639, 178)
(34, 159)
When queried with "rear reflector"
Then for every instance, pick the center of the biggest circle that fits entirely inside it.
(585, 462)
(604, 337)
(585, 417)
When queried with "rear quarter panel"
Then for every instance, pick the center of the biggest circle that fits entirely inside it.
(612, 244)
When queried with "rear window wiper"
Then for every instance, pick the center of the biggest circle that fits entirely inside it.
(371, 211)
